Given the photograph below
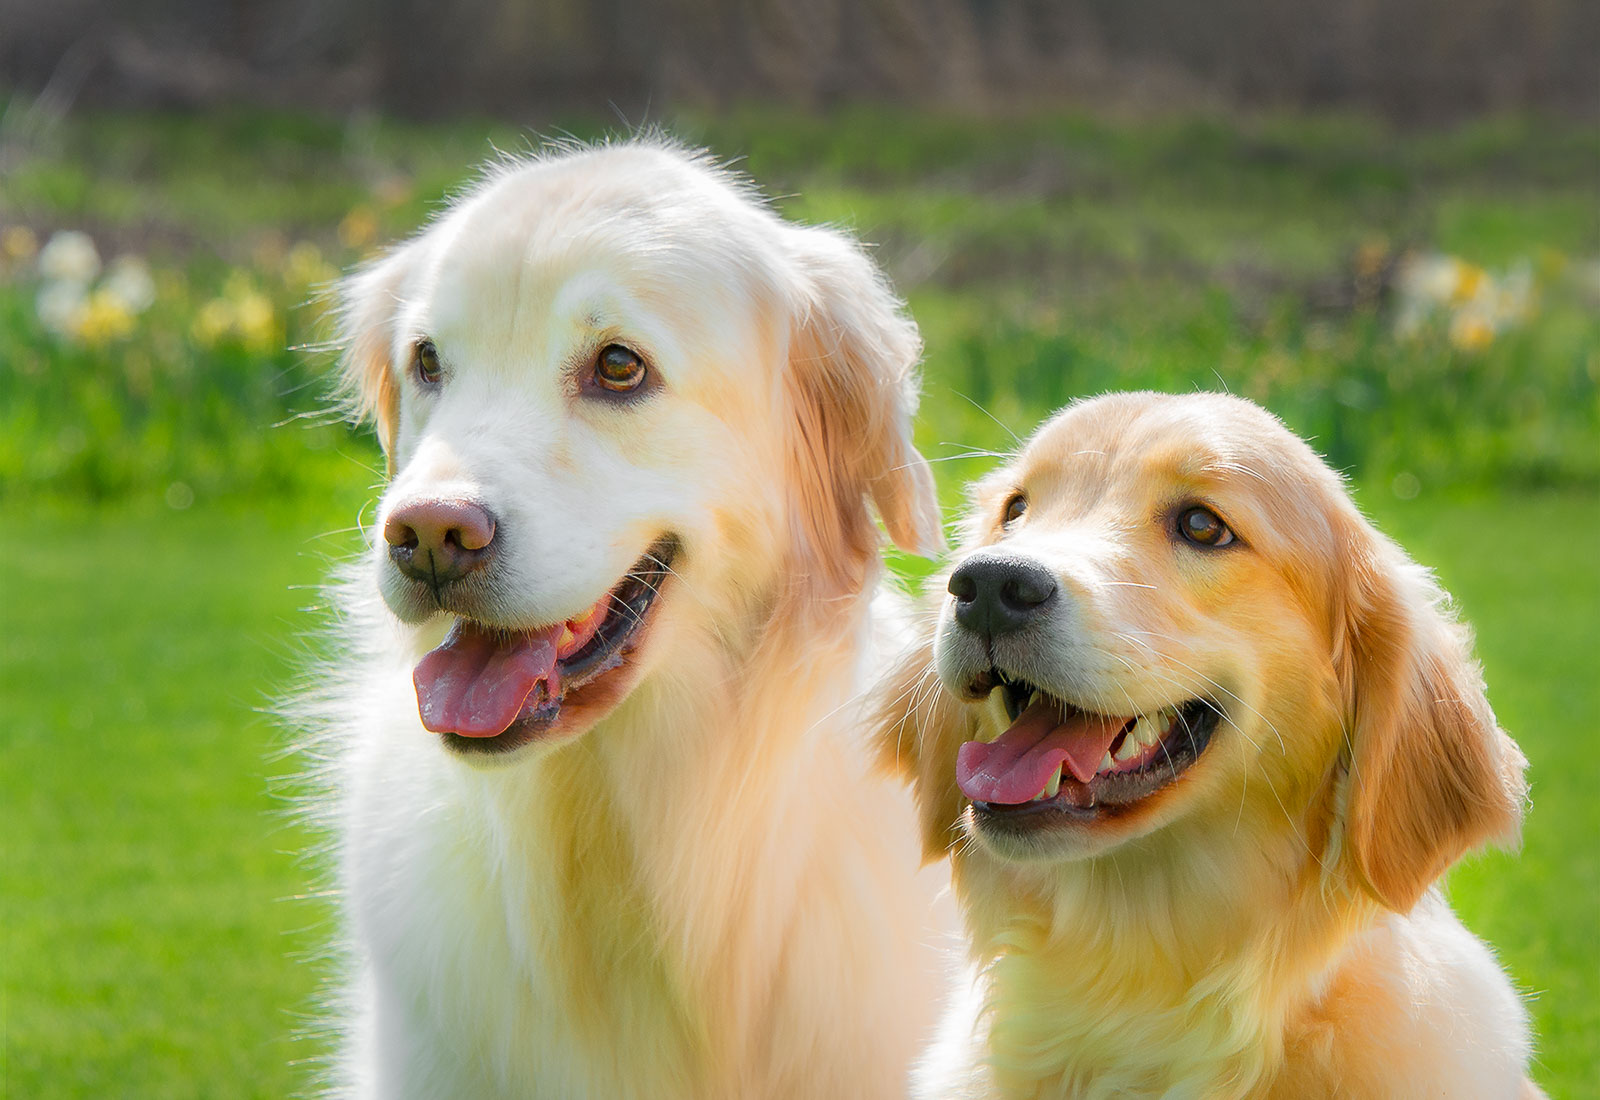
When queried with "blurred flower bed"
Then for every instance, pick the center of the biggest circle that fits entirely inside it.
(1440, 373)
(121, 376)
(1044, 258)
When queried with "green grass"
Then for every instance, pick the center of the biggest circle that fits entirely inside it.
(1522, 568)
(151, 947)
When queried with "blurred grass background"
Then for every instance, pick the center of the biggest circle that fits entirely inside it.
(1424, 304)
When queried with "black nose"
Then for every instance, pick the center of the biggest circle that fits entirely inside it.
(999, 595)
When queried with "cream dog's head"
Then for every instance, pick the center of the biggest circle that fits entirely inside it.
(622, 403)
(1169, 630)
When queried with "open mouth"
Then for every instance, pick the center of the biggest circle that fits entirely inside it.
(490, 690)
(1055, 757)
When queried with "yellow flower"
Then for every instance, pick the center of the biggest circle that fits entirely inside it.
(241, 314)
(305, 266)
(213, 323)
(359, 228)
(238, 284)
(1470, 280)
(104, 317)
(18, 243)
(256, 324)
(1471, 331)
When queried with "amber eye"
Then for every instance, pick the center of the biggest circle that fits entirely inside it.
(619, 370)
(1203, 527)
(425, 361)
(1017, 505)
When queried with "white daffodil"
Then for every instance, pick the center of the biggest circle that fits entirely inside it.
(59, 305)
(129, 282)
(70, 257)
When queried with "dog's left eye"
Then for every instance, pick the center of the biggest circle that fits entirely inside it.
(1017, 505)
(619, 370)
(1203, 527)
(425, 362)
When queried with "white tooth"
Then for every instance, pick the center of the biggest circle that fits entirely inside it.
(1131, 746)
(1144, 733)
(1106, 763)
(1035, 697)
(997, 712)
(1054, 785)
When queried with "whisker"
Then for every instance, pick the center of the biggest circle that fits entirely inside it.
(1189, 733)
(990, 415)
(1128, 635)
(957, 457)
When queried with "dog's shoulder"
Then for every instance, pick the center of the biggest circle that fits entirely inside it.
(1415, 992)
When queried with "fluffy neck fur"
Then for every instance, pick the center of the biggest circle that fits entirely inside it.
(1140, 974)
(694, 877)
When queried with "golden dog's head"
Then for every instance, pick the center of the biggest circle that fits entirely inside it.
(627, 412)
(1168, 629)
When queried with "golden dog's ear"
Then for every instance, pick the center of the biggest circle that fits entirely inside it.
(1432, 775)
(369, 305)
(852, 387)
(919, 729)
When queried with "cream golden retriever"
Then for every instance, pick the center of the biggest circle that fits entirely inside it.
(608, 821)
(1201, 742)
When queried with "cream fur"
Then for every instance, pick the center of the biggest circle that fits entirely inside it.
(702, 889)
(1267, 925)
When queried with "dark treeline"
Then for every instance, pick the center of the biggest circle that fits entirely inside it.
(1411, 60)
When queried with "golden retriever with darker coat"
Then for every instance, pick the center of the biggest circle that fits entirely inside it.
(1201, 742)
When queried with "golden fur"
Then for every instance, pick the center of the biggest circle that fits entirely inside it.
(1266, 925)
(695, 885)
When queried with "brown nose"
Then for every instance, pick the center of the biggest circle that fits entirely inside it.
(439, 541)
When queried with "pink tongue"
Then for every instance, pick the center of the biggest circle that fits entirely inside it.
(476, 683)
(1015, 766)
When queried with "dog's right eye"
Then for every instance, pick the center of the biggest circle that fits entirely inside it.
(425, 363)
(1015, 507)
(1203, 527)
(619, 370)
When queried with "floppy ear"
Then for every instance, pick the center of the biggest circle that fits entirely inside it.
(369, 304)
(1432, 775)
(919, 729)
(852, 389)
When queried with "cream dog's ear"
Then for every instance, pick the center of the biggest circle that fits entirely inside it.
(919, 728)
(852, 387)
(1432, 775)
(369, 306)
